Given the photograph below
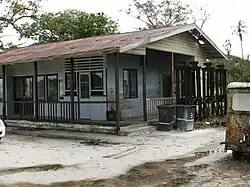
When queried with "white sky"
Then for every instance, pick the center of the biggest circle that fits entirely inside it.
(224, 15)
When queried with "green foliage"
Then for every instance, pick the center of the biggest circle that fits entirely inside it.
(68, 25)
(14, 12)
(238, 69)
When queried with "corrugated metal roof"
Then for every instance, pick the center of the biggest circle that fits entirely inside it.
(54, 50)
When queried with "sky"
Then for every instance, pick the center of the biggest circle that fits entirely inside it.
(224, 15)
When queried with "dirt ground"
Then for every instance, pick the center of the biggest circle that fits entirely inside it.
(202, 165)
(225, 172)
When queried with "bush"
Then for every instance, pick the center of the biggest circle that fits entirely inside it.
(238, 69)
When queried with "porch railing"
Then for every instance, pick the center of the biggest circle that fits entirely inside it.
(152, 103)
(56, 111)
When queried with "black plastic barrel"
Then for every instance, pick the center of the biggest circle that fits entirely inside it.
(185, 115)
(167, 116)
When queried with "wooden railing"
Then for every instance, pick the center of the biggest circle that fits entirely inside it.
(55, 111)
(152, 110)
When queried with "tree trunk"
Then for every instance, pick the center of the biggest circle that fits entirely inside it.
(242, 54)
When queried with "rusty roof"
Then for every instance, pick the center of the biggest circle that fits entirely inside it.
(73, 47)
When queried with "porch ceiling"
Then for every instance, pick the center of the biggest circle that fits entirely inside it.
(102, 44)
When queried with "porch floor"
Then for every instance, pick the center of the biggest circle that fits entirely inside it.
(112, 123)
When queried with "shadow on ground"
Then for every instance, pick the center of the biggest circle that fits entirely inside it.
(157, 174)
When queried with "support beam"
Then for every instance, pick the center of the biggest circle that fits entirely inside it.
(72, 90)
(117, 93)
(4, 91)
(172, 73)
(36, 90)
(144, 88)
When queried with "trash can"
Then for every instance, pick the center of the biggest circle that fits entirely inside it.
(167, 116)
(185, 115)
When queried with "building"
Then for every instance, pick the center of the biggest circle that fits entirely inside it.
(91, 78)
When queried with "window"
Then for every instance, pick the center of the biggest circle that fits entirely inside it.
(97, 83)
(84, 85)
(68, 83)
(1, 88)
(241, 102)
(28, 88)
(41, 87)
(52, 87)
(130, 88)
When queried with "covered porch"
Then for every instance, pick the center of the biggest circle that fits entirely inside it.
(74, 89)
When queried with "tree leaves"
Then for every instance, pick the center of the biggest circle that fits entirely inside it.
(68, 25)
(238, 69)
(14, 12)
(165, 13)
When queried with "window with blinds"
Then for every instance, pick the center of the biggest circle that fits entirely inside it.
(90, 71)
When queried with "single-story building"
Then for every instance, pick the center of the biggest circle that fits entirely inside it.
(91, 78)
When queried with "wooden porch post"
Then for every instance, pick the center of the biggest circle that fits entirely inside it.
(144, 88)
(117, 93)
(4, 91)
(172, 73)
(72, 90)
(36, 90)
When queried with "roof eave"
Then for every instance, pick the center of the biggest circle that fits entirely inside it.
(211, 42)
(157, 38)
(175, 32)
(102, 51)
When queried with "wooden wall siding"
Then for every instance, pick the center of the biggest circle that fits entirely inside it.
(182, 43)
(88, 110)
(157, 63)
(129, 107)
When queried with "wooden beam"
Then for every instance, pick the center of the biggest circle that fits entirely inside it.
(72, 95)
(78, 95)
(36, 90)
(4, 91)
(117, 93)
(144, 88)
(172, 73)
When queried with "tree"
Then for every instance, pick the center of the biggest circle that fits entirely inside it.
(16, 11)
(201, 17)
(68, 25)
(165, 13)
(240, 30)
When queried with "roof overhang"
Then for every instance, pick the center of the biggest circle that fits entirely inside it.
(193, 28)
(81, 54)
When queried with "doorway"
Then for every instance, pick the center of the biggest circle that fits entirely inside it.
(23, 96)
(166, 85)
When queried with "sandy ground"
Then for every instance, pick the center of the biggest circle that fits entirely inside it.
(44, 161)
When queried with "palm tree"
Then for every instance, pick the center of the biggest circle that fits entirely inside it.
(240, 30)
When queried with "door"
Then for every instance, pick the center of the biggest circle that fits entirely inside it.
(166, 85)
(85, 108)
(90, 106)
(23, 96)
